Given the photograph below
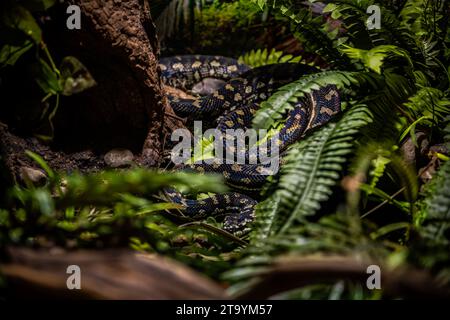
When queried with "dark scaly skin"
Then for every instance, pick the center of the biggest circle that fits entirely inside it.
(234, 105)
(254, 85)
(236, 208)
(303, 118)
(183, 72)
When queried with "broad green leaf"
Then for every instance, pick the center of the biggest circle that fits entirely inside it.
(38, 159)
(21, 19)
(75, 76)
(9, 54)
(335, 14)
(374, 61)
(374, 58)
(46, 78)
(329, 8)
(390, 228)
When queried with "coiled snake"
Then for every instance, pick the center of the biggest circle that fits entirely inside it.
(232, 106)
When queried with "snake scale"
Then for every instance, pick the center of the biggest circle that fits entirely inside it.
(232, 106)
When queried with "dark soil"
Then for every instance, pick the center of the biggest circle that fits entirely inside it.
(12, 151)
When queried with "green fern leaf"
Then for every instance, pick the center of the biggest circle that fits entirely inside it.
(436, 224)
(276, 106)
(312, 168)
(257, 58)
(374, 58)
(430, 102)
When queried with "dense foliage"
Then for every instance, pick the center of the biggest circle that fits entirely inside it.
(395, 82)
(347, 189)
(23, 39)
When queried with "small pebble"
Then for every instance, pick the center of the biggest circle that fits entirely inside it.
(207, 86)
(119, 158)
(34, 175)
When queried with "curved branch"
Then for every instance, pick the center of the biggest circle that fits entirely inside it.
(292, 273)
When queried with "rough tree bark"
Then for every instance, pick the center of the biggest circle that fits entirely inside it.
(117, 42)
(126, 109)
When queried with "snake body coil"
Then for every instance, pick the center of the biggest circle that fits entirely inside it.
(233, 106)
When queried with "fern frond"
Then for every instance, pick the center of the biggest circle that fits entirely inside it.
(257, 58)
(334, 234)
(436, 210)
(367, 156)
(432, 223)
(354, 16)
(386, 105)
(395, 29)
(379, 167)
(420, 17)
(436, 224)
(316, 35)
(430, 102)
(373, 160)
(276, 106)
(312, 168)
(374, 58)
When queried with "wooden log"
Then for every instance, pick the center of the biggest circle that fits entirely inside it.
(105, 274)
(291, 273)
